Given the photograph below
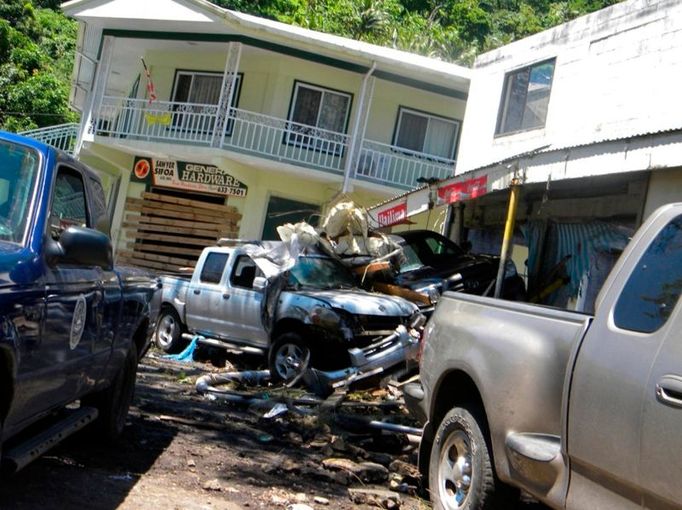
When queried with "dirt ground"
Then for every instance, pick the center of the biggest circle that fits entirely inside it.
(186, 452)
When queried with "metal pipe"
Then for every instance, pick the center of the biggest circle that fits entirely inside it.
(508, 235)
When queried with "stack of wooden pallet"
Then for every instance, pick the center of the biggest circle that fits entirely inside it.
(167, 233)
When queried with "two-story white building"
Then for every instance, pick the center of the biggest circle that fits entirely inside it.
(587, 117)
(208, 122)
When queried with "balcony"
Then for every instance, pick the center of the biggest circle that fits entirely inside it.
(263, 136)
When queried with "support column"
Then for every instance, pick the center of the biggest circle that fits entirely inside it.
(359, 127)
(508, 235)
(227, 92)
(102, 69)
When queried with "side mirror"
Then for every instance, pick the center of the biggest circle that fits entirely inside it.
(80, 246)
(259, 283)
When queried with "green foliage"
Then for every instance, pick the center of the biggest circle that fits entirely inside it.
(454, 30)
(37, 42)
(36, 57)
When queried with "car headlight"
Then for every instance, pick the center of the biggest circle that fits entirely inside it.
(325, 317)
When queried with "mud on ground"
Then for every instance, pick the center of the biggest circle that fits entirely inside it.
(183, 451)
(186, 452)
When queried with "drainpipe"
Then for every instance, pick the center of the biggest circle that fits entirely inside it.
(356, 125)
(508, 234)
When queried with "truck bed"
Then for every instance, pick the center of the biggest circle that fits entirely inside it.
(495, 343)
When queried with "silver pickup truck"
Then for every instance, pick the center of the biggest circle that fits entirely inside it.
(309, 314)
(582, 412)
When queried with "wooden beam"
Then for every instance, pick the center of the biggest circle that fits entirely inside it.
(195, 204)
(171, 212)
(158, 258)
(190, 252)
(155, 220)
(131, 233)
(211, 234)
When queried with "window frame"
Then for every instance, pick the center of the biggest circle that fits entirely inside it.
(624, 297)
(235, 266)
(226, 255)
(289, 134)
(33, 192)
(88, 213)
(503, 103)
(229, 126)
(429, 115)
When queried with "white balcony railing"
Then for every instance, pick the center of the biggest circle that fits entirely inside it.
(262, 136)
(396, 166)
(62, 136)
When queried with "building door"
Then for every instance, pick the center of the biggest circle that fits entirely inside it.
(282, 210)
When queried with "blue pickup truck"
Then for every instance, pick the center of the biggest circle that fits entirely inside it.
(72, 328)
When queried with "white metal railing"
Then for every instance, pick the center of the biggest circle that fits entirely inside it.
(285, 140)
(62, 136)
(138, 119)
(396, 166)
(263, 136)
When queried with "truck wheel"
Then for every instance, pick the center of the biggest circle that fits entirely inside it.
(168, 334)
(461, 474)
(289, 356)
(114, 402)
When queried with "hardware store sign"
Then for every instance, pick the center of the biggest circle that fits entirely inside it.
(187, 176)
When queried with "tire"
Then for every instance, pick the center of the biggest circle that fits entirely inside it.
(168, 332)
(289, 356)
(114, 402)
(461, 474)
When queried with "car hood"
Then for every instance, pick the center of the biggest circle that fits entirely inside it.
(359, 302)
(469, 267)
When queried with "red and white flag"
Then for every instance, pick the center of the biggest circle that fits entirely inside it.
(150, 84)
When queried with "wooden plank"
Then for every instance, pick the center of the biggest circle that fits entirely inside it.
(174, 213)
(163, 247)
(232, 214)
(148, 264)
(155, 220)
(211, 234)
(158, 258)
(131, 233)
(197, 204)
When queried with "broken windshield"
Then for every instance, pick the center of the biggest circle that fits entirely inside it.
(18, 171)
(320, 273)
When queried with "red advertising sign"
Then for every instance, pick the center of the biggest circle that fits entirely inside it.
(393, 215)
(457, 191)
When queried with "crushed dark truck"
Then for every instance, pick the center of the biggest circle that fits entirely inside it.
(299, 311)
(72, 327)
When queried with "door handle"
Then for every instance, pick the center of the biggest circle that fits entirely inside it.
(226, 295)
(197, 291)
(669, 390)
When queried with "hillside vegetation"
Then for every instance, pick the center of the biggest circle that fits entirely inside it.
(37, 42)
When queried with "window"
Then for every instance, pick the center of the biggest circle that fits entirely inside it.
(426, 133)
(18, 175)
(652, 291)
(320, 108)
(201, 90)
(68, 202)
(214, 265)
(525, 98)
(244, 272)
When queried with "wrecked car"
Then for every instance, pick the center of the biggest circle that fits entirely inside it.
(297, 311)
(433, 264)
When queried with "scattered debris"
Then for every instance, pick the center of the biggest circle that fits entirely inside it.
(375, 497)
(212, 485)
